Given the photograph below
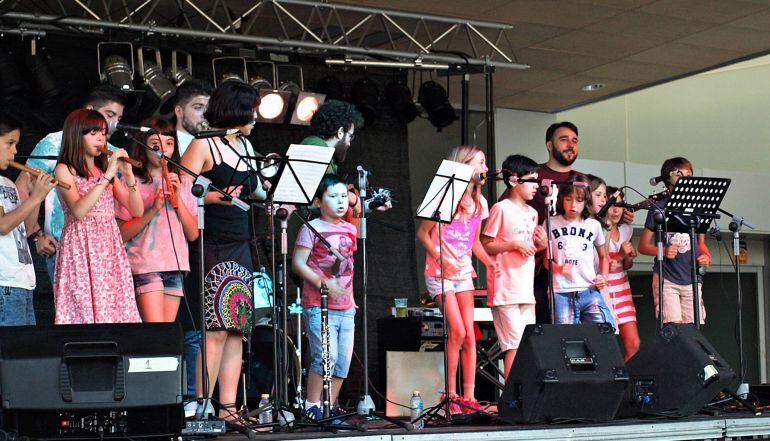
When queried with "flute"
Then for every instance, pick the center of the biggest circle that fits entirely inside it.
(108, 152)
(35, 172)
(171, 194)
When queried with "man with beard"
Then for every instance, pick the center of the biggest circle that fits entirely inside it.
(190, 102)
(334, 125)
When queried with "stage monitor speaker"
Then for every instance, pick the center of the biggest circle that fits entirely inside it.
(92, 381)
(565, 372)
(676, 374)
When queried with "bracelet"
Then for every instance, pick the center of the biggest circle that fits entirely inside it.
(131, 187)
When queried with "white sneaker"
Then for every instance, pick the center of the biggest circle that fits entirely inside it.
(190, 409)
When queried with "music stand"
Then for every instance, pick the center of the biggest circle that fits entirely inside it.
(306, 166)
(452, 179)
(692, 206)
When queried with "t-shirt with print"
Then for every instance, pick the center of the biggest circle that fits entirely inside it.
(679, 269)
(457, 243)
(16, 268)
(342, 237)
(507, 222)
(575, 242)
(152, 250)
(50, 145)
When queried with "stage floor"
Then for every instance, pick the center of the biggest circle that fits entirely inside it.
(727, 426)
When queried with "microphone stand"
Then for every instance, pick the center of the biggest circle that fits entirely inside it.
(547, 190)
(735, 226)
(201, 187)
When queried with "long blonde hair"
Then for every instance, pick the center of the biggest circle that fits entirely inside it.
(465, 154)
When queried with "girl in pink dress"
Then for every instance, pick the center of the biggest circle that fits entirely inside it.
(93, 281)
(459, 240)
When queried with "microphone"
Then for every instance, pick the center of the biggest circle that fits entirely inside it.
(657, 179)
(494, 174)
(610, 202)
(715, 232)
(215, 133)
(117, 125)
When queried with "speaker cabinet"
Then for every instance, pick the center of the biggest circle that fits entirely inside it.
(676, 374)
(92, 381)
(565, 372)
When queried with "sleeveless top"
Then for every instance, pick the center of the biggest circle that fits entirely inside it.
(228, 223)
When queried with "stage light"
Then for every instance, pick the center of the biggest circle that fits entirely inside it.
(152, 73)
(399, 98)
(365, 96)
(307, 105)
(272, 106)
(434, 100)
(180, 74)
(260, 83)
(229, 69)
(291, 87)
(116, 69)
(331, 87)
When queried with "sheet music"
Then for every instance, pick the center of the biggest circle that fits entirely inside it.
(462, 174)
(309, 162)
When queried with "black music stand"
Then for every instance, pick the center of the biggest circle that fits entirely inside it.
(451, 179)
(692, 206)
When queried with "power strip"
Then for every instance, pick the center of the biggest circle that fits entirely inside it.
(204, 427)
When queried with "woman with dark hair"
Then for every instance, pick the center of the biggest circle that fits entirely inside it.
(228, 265)
(156, 242)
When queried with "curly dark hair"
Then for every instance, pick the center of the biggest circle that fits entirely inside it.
(332, 115)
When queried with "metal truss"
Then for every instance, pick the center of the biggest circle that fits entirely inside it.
(346, 33)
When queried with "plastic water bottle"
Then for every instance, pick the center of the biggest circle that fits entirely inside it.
(266, 415)
(416, 410)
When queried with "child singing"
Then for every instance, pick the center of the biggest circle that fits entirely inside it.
(93, 283)
(460, 240)
(511, 238)
(156, 242)
(621, 255)
(574, 236)
(315, 265)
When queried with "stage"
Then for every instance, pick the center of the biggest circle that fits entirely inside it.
(694, 428)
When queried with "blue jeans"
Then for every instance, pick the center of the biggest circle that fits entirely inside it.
(342, 332)
(16, 307)
(192, 343)
(50, 266)
(581, 307)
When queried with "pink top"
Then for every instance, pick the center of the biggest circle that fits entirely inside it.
(152, 250)
(457, 242)
(509, 221)
(341, 236)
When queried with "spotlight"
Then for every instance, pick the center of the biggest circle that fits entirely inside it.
(365, 95)
(272, 105)
(152, 73)
(434, 100)
(399, 98)
(331, 87)
(229, 69)
(291, 87)
(115, 69)
(307, 105)
(260, 83)
(180, 75)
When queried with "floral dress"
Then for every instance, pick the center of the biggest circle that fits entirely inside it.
(93, 282)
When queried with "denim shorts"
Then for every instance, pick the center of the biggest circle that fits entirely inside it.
(16, 307)
(433, 285)
(170, 282)
(581, 307)
(342, 327)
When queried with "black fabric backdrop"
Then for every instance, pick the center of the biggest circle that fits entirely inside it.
(381, 148)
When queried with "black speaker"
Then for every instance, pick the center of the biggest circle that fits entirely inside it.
(676, 374)
(92, 381)
(565, 372)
